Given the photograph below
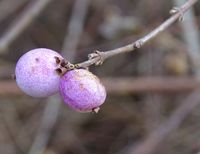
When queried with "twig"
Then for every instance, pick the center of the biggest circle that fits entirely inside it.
(99, 57)
(22, 22)
(126, 86)
(174, 121)
(52, 108)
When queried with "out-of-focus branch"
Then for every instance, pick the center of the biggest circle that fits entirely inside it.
(13, 124)
(99, 57)
(22, 22)
(125, 86)
(154, 139)
(174, 121)
(7, 9)
(191, 37)
(70, 44)
(75, 29)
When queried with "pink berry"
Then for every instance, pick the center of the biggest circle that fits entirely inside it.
(36, 72)
(82, 90)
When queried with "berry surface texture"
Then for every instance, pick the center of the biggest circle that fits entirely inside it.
(35, 72)
(82, 90)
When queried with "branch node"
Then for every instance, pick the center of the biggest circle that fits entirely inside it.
(176, 10)
(99, 55)
(138, 44)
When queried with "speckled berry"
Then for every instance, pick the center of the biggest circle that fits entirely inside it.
(82, 90)
(36, 72)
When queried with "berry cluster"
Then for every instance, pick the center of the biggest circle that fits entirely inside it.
(39, 73)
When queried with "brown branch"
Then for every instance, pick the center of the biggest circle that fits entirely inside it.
(22, 22)
(99, 57)
(174, 121)
(125, 86)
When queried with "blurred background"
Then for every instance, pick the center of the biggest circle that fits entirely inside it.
(153, 101)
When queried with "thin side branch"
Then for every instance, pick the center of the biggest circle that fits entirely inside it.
(98, 57)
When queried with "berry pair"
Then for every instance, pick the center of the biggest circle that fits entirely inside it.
(37, 75)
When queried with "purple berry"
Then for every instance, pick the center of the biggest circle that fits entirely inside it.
(82, 90)
(36, 72)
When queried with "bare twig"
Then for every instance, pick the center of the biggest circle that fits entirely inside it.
(99, 57)
(53, 103)
(174, 121)
(22, 22)
(126, 86)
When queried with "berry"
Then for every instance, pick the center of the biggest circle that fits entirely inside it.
(82, 90)
(36, 72)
